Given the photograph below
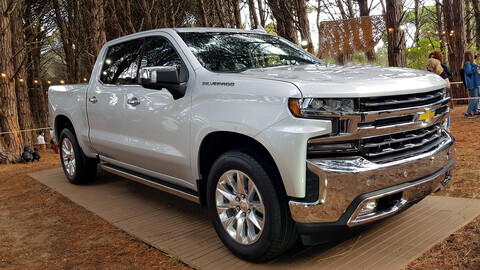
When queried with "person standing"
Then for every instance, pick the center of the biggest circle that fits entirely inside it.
(472, 81)
(41, 141)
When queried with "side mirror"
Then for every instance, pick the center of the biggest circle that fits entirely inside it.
(162, 77)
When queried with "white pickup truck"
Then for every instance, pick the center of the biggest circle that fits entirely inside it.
(272, 141)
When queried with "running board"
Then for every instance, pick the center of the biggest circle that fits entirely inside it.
(153, 182)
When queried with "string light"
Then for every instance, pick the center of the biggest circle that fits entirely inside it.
(84, 79)
(390, 30)
(21, 80)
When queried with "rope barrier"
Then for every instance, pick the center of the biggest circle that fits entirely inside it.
(25, 130)
(453, 99)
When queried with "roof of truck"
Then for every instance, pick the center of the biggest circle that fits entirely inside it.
(216, 30)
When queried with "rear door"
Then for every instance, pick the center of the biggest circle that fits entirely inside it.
(106, 99)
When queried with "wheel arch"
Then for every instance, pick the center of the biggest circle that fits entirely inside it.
(61, 122)
(217, 143)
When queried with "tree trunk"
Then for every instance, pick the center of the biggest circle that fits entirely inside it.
(454, 27)
(253, 14)
(304, 25)
(25, 119)
(99, 34)
(439, 12)
(220, 13)
(67, 42)
(396, 36)
(476, 8)
(416, 36)
(468, 23)
(13, 142)
(261, 13)
(365, 11)
(236, 12)
(281, 11)
(203, 13)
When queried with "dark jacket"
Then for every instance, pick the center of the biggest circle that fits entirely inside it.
(448, 72)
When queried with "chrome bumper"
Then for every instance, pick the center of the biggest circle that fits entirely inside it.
(349, 184)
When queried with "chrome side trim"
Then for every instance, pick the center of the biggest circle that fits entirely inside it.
(145, 181)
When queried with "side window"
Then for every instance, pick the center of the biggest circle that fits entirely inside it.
(121, 63)
(160, 52)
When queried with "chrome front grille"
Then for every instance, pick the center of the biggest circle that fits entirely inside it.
(370, 104)
(387, 148)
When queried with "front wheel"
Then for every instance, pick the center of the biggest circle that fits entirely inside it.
(78, 168)
(249, 213)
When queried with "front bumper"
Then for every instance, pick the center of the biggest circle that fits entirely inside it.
(347, 185)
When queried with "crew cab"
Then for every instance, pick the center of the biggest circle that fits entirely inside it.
(274, 142)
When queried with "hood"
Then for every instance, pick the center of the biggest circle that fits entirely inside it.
(351, 80)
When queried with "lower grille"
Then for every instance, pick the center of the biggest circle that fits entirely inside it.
(387, 148)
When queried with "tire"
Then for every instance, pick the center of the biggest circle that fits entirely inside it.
(257, 224)
(78, 168)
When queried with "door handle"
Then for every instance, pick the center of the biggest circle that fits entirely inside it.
(133, 101)
(93, 99)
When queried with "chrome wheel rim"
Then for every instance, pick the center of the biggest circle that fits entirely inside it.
(240, 207)
(68, 157)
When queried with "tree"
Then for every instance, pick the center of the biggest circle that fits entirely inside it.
(11, 143)
(476, 8)
(455, 29)
(303, 24)
(282, 11)
(396, 36)
(365, 11)
(468, 22)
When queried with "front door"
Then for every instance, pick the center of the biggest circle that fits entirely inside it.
(158, 126)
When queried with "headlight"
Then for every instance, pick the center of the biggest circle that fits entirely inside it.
(308, 107)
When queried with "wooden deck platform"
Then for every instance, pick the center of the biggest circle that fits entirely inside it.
(181, 228)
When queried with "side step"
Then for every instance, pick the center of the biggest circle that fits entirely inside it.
(153, 182)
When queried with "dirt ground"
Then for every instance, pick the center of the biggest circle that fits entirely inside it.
(461, 250)
(41, 229)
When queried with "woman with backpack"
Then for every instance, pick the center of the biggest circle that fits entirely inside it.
(472, 83)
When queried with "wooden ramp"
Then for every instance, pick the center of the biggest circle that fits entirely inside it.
(181, 228)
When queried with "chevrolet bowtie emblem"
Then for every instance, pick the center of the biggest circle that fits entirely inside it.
(427, 115)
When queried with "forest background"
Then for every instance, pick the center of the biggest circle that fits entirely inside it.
(46, 42)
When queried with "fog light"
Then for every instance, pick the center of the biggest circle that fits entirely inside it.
(369, 208)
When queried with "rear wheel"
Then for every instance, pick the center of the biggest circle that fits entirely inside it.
(78, 168)
(250, 214)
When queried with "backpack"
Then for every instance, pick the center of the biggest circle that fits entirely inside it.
(27, 154)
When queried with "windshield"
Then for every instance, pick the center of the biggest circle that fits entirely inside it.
(236, 52)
